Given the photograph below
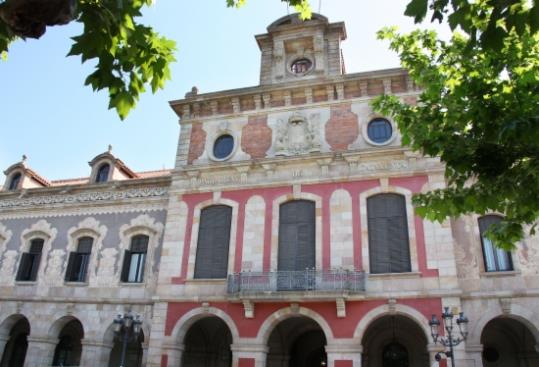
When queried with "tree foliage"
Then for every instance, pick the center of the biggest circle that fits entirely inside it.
(130, 57)
(479, 112)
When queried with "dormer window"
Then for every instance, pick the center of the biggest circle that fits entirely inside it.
(103, 173)
(15, 180)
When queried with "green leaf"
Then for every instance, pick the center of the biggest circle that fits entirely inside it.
(417, 9)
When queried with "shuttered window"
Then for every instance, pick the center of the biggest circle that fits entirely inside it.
(29, 264)
(389, 250)
(496, 259)
(135, 260)
(77, 264)
(213, 242)
(297, 228)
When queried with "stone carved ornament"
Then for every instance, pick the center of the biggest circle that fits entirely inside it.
(298, 135)
(8, 268)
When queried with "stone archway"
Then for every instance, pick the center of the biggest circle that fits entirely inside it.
(394, 341)
(207, 344)
(18, 329)
(68, 351)
(297, 341)
(508, 342)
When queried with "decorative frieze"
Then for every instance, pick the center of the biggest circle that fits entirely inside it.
(84, 197)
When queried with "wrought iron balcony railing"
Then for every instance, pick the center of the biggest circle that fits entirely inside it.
(298, 281)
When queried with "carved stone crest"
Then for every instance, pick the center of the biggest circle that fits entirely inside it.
(298, 135)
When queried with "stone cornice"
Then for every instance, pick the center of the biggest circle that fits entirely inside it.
(262, 97)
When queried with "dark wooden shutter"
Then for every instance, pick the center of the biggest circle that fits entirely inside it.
(297, 236)
(85, 245)
(70, 266)
(36, 260)
(25, 266)
(213, 242)
(389, 249)
(125, 266)
(36, 246)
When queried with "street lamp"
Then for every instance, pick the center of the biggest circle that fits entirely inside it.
(449, 340)
(126, 328)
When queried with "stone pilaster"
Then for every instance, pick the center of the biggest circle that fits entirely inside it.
(256, 352)
(345, 351)
(40, 351)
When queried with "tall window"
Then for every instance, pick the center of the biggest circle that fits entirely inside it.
(29, 264)
(496, 259)
(14, 183)
(77, 265)
(297, 228)
(103, 173)
(213, 242)
(135, 259)
(389, 250)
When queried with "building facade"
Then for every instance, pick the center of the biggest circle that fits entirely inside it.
(284, 236)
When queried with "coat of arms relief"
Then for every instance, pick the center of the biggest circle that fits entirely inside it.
(298, 135)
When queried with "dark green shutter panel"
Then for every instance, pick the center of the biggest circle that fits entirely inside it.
(389, 250)
(36, 246)
(85, 245)
(213, 242)
(125, 267)
(24, 266)
(297, 234)
(70, 267)
(35, 266)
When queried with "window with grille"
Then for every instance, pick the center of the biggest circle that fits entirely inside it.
(496, 259)
(389, 249)
(213, 242)
(77, 264)
(29, 265)
(135, 260)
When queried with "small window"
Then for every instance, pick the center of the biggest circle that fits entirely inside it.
(301, 66)
(135, 259)
(496, 259)
(77, 265)
(379, 131)
(15, 180)
(103, 173)
(223, 146)
(29, 264)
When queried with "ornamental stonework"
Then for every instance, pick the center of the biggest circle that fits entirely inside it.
(298, 135)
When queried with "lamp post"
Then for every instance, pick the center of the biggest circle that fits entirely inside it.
(126, 328)
(448, 341)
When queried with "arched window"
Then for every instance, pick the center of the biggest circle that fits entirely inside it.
(135, 260)
(496, 259)
(297, 232)
(213, 242)
(15, 180)
(103, 173)
(77, 265)
(29, 265)
(389, 250)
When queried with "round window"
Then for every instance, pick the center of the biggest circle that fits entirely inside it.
(301, 66)
(223, 146)
(379, 130)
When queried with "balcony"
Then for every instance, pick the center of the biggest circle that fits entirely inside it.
(308, 281)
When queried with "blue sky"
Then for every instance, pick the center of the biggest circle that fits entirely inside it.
(49, 115)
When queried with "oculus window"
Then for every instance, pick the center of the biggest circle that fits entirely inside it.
(379, 131)
(223, 146)
(301, 66)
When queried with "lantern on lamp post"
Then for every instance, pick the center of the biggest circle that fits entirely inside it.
(449, 340)
(126, 328)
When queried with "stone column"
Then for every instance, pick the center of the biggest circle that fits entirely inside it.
(174, 354)
(433, 349)
(345, 353)
(157, 338)
(40, 351)
(256, 353)
(94, 353)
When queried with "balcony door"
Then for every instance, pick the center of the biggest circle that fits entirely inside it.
(297, 248)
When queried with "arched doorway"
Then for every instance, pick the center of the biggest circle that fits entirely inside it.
(394, 341)
(133, 354)
(297, 342)
(69, 348)
(509, 343)
(15, 349)
(207, 344)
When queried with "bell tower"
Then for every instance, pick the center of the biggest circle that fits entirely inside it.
(295, 50)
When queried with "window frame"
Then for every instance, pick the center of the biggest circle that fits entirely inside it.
(365, 130)
(31, 260)
(16, 177)
(98, 172)
(495, 251)
(84, 260)
(128, 261)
